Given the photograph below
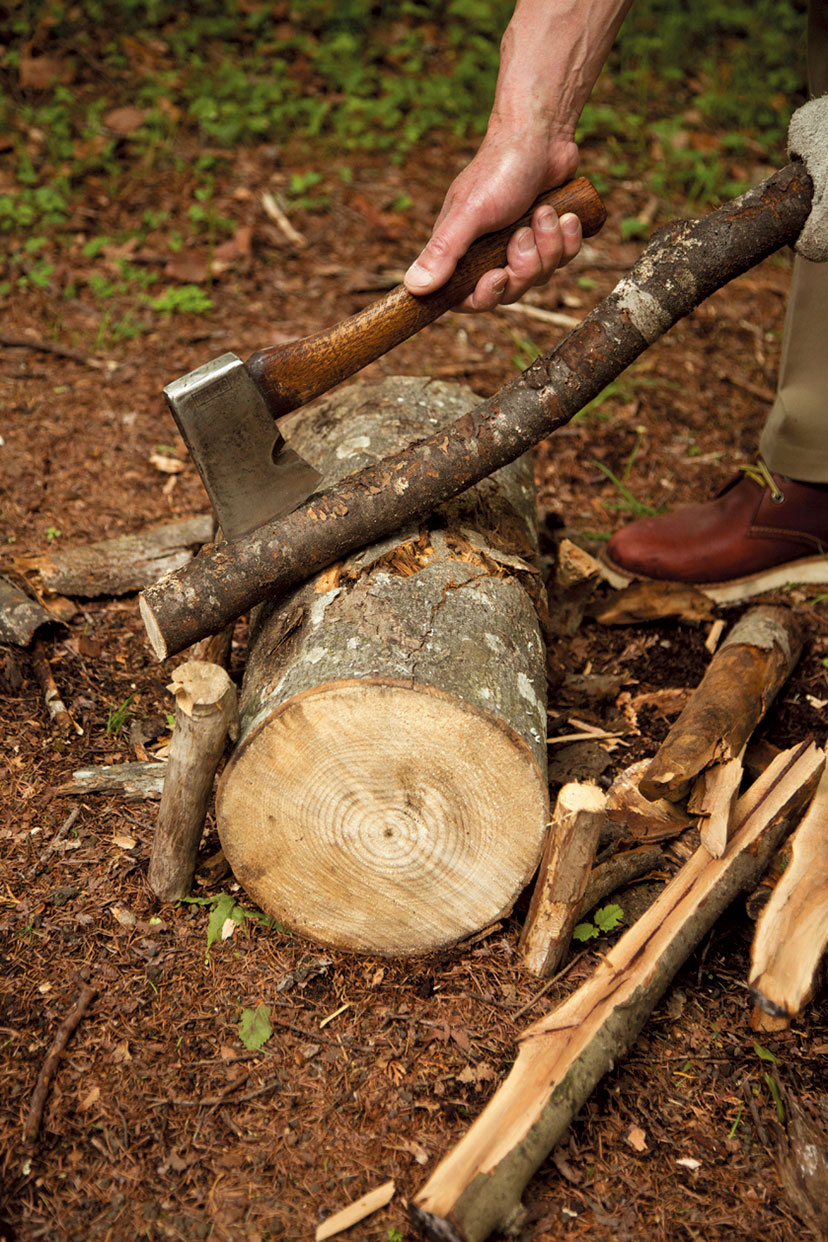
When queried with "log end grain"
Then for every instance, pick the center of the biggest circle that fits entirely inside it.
(382, 818)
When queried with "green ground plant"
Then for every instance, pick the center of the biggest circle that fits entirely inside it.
(693, 97)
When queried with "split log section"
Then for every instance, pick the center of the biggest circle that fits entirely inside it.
(388, 793)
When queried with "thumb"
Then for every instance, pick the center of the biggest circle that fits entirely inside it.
(438, 258)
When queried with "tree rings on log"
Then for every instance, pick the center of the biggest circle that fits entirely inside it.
(388, 794)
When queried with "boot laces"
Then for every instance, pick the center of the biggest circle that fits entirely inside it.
(759, 473)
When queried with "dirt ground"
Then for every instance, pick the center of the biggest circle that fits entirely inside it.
(158, 1123)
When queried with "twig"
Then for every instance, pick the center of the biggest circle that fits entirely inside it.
(279, 218)
(549, 984)
(53, 844)
(49, 1067)
(47, 347)
(56, 707)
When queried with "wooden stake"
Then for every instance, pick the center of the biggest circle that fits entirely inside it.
(741, 682)
(562, 878)
(792, 931)
(205, 711)
(477, 1187)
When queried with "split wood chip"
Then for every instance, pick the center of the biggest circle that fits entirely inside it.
(653, 601)
(792, 931)
(713, 799)
(356, 1211)
(643, 819)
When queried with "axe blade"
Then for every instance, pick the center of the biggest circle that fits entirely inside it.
(248, 472)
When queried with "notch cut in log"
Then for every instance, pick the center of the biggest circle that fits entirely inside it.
(740, 683)
(206, 710)
(792, 931)
(388, 793)
(562, 878)
(681, 265)
(477, 1188)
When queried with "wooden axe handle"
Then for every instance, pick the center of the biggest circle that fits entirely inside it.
(290, 375)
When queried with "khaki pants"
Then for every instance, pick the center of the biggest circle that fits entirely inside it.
(795, 439)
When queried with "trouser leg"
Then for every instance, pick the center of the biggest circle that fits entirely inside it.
(795, 439)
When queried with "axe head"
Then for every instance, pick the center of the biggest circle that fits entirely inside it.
(249, 473)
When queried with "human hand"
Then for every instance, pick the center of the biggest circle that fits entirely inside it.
(498, 186)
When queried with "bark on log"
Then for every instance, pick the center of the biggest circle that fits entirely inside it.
(792, 931)
(389, 791)
(123, 564)
(477, 1187)
(562, 877)
(741, 681)
(681, 265)
(205, 712)
(20, 617)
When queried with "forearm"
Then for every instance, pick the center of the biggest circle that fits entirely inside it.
(551, 55)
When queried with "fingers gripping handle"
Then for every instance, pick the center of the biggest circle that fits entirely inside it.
(290, 375)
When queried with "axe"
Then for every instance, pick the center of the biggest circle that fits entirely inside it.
(226, 409)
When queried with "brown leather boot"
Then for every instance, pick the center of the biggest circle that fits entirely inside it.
(753, 536)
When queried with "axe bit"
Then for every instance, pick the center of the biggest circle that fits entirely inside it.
(225, 410)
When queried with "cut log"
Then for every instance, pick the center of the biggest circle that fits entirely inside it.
(741, 681)
(20, 616)
(792, 931)
(206, 710)
(388, 794)
(123, 564)
(562, 878)
(681, 265)
(477, 1187)
(644, 819)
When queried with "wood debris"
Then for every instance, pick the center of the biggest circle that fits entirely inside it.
(644, 819)
(357, 1211)
(124, 563)
(477, 1188)
(792, 931)
(741, 681)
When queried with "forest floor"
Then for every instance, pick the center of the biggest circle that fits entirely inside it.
(159, 1122)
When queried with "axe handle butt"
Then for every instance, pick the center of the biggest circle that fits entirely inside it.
(290, 375)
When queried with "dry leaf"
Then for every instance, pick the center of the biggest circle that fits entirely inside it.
(124, 842)
(637, 1138)
(125, 121)
(39, 72)
(89, 1099)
